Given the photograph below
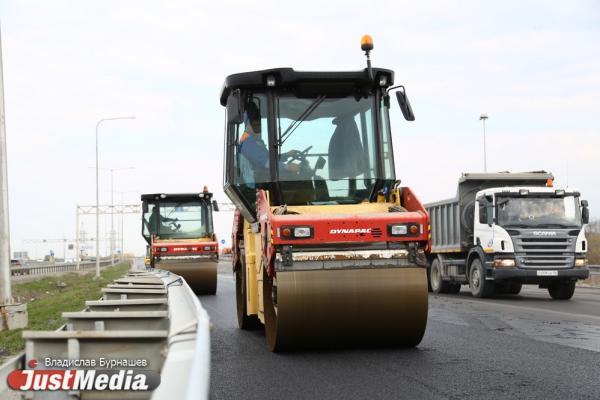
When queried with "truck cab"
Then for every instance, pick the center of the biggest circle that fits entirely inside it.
(509, 235)
(532, 231)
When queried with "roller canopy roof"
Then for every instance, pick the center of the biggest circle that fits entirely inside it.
(315, 82)
(176, 196)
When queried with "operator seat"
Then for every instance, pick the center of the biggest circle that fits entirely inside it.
(346, 154)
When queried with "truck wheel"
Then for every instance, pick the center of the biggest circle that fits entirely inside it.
(561, 290)
(435, 278)
(245, 321)
(480, 287)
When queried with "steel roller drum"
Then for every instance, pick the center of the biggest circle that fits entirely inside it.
(200, 275)
(342, 307)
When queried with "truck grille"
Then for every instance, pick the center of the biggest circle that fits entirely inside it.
(544, 252)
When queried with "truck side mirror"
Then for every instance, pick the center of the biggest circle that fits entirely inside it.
(585, 212)
(234, 108)
(405, 105)
(215, 205)
(144, 207)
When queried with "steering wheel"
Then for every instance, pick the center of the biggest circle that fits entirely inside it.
(175, 227)
(300, 155)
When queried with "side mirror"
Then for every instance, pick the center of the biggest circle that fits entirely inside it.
(215, 205)
(585, 212)
(320, 163)
(144, 207)
(234, 108)
(405, 105)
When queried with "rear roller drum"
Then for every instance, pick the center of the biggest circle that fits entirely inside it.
(339, 308)
(201, 276)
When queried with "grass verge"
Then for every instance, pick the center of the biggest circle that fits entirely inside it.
(46, 302)
(594, 248)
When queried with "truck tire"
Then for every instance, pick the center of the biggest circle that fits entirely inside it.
(245, 321)
(480, 287)
(561, 290)
(438, 285)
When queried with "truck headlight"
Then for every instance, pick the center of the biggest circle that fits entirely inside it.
(504, 263)
(580, 262)
(397, 230)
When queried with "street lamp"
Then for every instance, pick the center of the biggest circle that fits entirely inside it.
(483, 117)
(112, 213)
(98, 196)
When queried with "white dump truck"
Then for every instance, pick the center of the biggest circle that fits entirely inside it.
(503, 230)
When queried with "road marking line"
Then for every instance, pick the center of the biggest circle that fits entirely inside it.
(532, 309)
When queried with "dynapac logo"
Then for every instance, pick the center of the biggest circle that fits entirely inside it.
(344, 231)
(544, 233)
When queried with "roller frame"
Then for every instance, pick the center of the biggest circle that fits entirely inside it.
(387, 280)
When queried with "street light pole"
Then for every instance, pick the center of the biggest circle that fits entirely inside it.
(483, 117)
(112, 220)
(5, 288)
(112, 213)
(122, 251)
(98, 195)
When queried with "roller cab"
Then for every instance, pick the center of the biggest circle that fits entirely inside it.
(326, 242)
(179, 231)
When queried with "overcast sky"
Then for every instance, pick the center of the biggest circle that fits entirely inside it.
(533, 67)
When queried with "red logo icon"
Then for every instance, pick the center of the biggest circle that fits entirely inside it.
(32, 363)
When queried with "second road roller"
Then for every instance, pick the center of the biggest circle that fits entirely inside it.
(179, 231)
(326, 242)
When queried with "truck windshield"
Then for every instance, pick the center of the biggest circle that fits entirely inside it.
(540, 212)
(179, 220)
(327, 149)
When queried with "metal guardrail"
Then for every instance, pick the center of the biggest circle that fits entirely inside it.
(186, 371)
(594, 269)
(150, 315)
(13, 363)
(49, 269)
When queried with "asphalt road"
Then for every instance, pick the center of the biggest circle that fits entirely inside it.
(510, 347)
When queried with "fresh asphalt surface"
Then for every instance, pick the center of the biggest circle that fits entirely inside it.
(509, 347)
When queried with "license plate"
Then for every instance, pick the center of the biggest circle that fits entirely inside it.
(547, 273)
